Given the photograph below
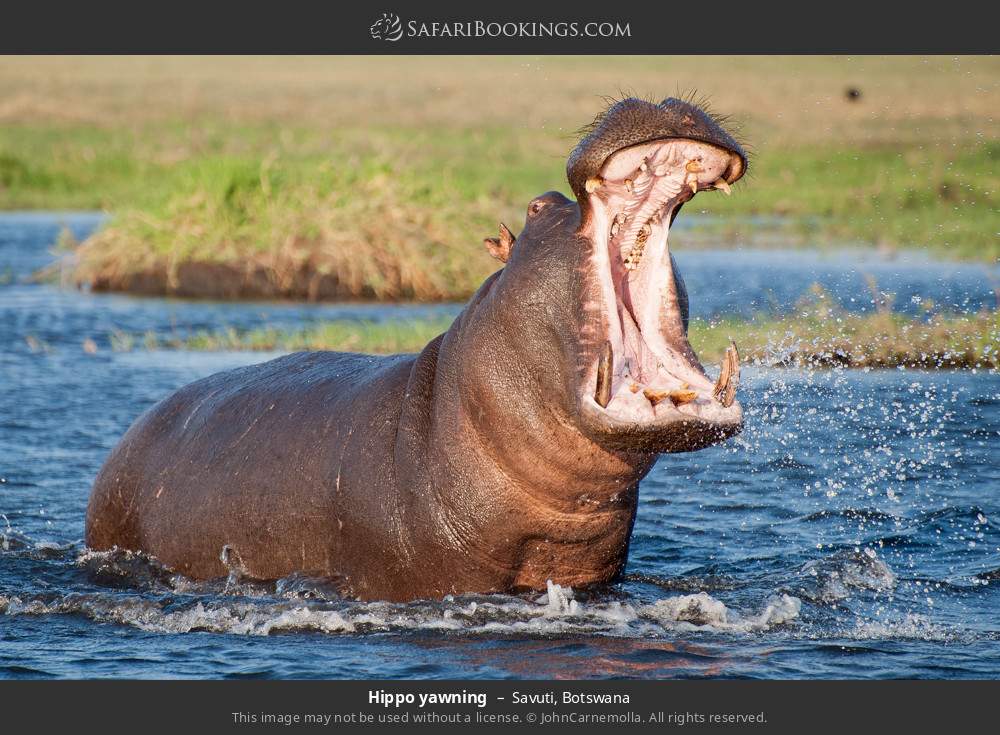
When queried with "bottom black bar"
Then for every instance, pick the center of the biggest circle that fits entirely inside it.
(382, 706)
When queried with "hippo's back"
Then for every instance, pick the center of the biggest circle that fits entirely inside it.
(245, 459)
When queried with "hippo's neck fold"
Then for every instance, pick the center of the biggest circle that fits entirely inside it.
(506, 477)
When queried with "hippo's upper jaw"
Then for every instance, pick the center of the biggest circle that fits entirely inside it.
(643, 386)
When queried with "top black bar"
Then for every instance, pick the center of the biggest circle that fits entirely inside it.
(510, 27)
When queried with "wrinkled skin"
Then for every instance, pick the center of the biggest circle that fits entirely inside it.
(482, 464)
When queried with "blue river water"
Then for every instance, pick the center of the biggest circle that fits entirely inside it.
(853, 530)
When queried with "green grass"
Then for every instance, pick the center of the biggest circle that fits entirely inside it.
(397, 214)
(394, 214)
(383, 338)
(945, 199)
(818, 335)
(882, 340)
(388, 173)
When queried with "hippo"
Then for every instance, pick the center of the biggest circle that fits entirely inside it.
(506, 454)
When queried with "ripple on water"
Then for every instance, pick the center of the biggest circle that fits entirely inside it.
(851, 530)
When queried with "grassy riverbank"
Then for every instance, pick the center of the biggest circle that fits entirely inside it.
(380, 338)
(323, 178)
(821, 336)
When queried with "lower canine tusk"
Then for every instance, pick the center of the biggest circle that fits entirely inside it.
(723, 186)
(605, 369)
(729, 377)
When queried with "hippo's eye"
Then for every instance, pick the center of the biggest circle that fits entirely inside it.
(537, 205)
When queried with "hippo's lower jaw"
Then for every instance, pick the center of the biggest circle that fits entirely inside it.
(644, 386)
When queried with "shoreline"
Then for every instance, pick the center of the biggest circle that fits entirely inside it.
(344, 219)
(311, 272)
(821, 339)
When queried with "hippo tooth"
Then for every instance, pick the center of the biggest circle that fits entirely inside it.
(643, 166)
(693, 167)
(729, 377)
(692, 183)
(614, 229)
(605, 369)
(723, 186)
(628, 186)
(621, 218)
(593, 184)
(655, 396)
(682, 396)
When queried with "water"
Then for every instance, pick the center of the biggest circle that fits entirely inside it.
(852, 531)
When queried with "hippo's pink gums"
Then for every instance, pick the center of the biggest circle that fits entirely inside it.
(507, 453)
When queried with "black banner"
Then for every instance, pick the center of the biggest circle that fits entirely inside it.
(469, 706)
(439, 27)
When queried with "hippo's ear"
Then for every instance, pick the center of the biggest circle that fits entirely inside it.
(500, 247)
(493, 247)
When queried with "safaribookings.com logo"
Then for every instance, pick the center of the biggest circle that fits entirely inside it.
(387, 28)
(390, 28)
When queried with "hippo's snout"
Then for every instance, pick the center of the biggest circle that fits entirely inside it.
(632, 122)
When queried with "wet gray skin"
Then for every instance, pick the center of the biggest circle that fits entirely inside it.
(505, 454)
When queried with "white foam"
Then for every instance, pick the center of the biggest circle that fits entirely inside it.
(701, 610)
(838, 575)
(555, 612)
(911, 626)
(559, 600)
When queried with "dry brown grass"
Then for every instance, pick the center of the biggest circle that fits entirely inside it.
(780, 99)
(302, 243)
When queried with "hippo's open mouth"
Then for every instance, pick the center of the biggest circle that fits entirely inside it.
(645, 373)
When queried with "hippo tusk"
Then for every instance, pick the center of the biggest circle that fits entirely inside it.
(593, 184)
(723, 186)
(729, 377)
(605, 369)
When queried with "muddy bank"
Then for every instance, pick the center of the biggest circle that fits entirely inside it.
(247, 282)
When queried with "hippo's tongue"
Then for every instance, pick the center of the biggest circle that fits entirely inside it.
(648, 356)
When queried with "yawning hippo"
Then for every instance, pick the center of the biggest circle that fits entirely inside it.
(507, 453)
